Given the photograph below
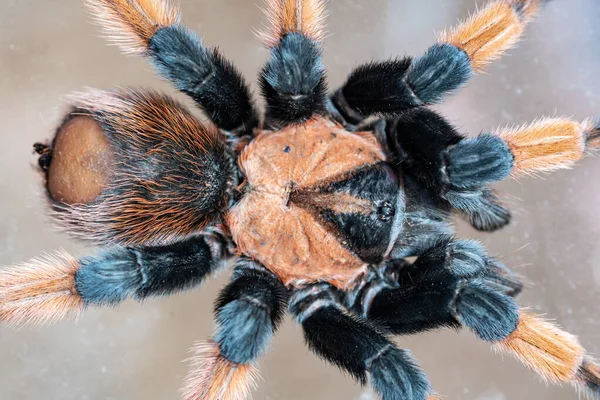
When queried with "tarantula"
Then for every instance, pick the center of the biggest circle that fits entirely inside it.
(334, 207)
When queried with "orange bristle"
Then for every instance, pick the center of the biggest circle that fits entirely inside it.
(212, 377)
(132, 23)
(146, 116)
(288, 16)
(40, 291)
(546, 145)
(487, 34)
(150, 214)
(542, 346)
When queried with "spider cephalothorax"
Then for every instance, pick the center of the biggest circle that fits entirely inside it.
(334, 207)
(321, 203)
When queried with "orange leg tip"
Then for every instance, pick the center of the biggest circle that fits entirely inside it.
(132, 23)
(545, 145)
(39, 291)
(212, 377)
(487, 34)
(434, 397)
(288, 16)
(551, 352)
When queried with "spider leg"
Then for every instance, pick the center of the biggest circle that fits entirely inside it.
(59, 286)
(549, 144)
(456, 171)
(293, 80)
(136, 168)
(455, 285)
(330, 331)
(393, 86)
(152, 28)
(248, 312)
(409, 298)
(453, 170)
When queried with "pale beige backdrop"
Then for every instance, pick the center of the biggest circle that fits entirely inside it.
(48, 48)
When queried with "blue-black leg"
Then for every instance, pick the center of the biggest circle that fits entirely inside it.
(120, 273)
(392, 87)
(356, 346)
(58, 285)
(205, 75)
(152, 28)
(405, 298)
(453, 284)
(248, 311)
(454, 170)
(293, 81)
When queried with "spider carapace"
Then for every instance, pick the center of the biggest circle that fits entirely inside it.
(320, 203)
(334, 207)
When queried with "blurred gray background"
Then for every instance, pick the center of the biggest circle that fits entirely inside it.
(48, 48)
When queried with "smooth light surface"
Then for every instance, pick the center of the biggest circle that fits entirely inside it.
(48, 48)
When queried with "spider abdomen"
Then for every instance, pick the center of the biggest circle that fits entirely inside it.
(141, 164)
(293, 183)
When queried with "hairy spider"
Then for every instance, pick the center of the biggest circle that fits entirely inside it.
(322, 201)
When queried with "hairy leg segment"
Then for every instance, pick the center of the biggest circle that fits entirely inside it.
(58, 286)
(392, 87)
(456, 171)
(330, 330)
(456, 284)
(248, 312)
(152, 28)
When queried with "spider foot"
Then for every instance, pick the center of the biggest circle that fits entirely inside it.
(213, 376)
(550, 144)
(248, 312)
(551, 352)
(40, 291)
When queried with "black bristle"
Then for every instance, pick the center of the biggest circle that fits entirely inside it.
(357, 348)
(490, 315)
(248, 311)
(479, 161)
(423, 136)
(293, 81)
(379, 88)
(391, 87)
(180, 266)
(205, 75)
(440, 71)
(121, 273)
